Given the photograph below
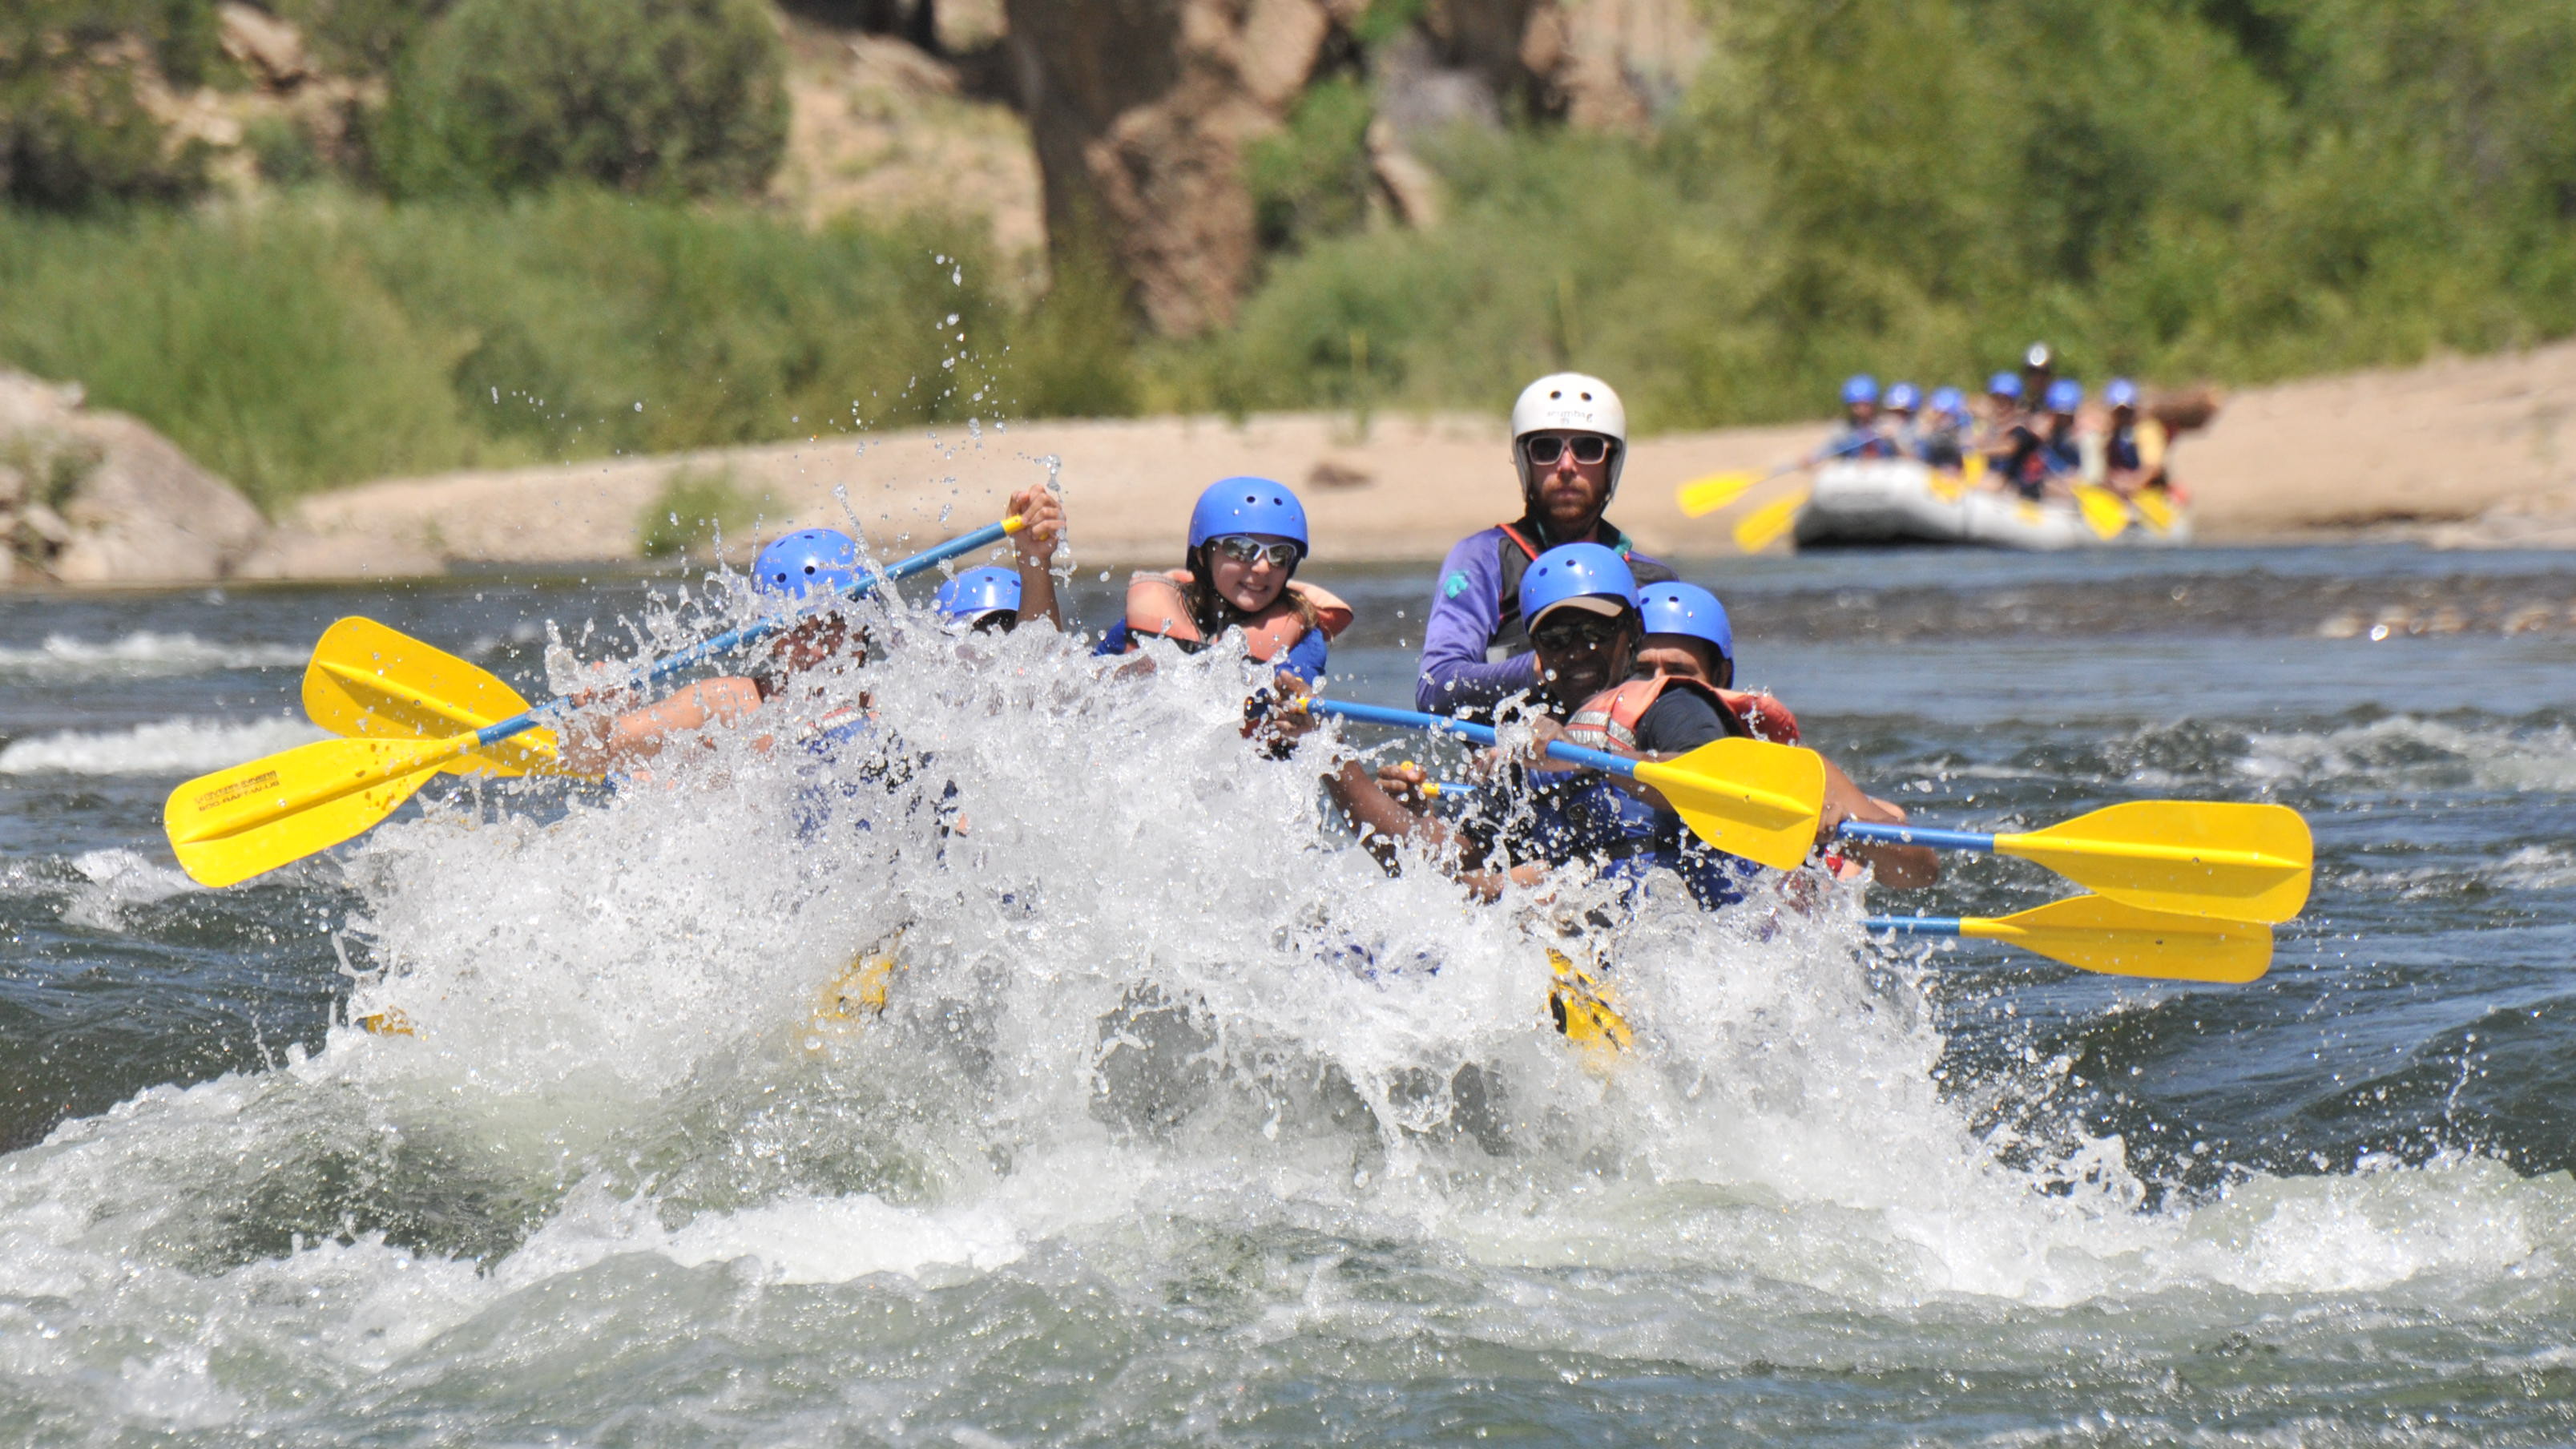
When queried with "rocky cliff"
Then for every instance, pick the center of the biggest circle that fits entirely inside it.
(1143, 110)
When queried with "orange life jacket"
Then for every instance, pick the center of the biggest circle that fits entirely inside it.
(1609, 719)
(1765, 716)
(1157, 605)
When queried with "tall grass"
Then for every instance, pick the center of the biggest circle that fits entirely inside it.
(2175, 189)
(327, 340)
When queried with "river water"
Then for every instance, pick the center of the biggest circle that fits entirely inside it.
(1185, 1123)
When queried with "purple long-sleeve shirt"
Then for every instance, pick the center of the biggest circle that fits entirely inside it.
(1467, 612)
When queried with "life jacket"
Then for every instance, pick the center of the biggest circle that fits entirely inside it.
(1157, 606)
(1765, 717)
(1518, 549)
(1609, 720)
(2120, 449)
(1596, 820)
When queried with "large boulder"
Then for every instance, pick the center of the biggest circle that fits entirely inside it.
(99, 498)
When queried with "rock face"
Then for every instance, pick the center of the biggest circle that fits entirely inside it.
(98, 498)
(1142, 110)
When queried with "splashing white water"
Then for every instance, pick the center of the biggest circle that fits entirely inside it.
(164, 747)
(112, 880)
(2403, 748)
(140, 654)
(1157, 1040)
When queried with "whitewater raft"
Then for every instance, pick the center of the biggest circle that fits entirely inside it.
(1880, 502)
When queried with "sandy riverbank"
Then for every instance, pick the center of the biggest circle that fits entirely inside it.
(2465, 451)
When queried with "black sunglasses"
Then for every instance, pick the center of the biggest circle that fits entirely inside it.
(1543, 448)
(1565, 636)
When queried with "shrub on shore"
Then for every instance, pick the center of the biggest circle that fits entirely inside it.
(664, 97)
(307, 345)
(2239, 191)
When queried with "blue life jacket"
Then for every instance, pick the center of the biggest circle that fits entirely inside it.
(2120, 450)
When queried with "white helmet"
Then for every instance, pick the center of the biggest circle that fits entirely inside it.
(1573, 403)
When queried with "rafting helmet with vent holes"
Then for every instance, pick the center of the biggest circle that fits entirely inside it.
(1248, 505)
(1674, 607)
(1571, 402)
(808, 561)
(978, 592)
(1571, 571)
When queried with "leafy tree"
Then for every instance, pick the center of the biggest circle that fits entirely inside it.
(670, 97)
(73, 129)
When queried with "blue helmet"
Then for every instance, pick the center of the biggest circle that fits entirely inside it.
(2004, 384)
(2119, 392)
(1679, 608)
(2065, 395)
(1248, 505)
(1575, 571)
(1948, 400)
(978, 592)
(808, 561)
(1903, 397)
(1860, 387)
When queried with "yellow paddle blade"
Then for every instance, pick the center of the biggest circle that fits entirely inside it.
(234, 824)
(2199, 857)
(368, 681)
(1771, 522)
(2156, 509)
(1702, 496)
(2103, 511)
(1972, 470)
(2094, 934)
(1586, 1011)
(1746, 797)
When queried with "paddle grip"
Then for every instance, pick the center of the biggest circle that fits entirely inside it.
(1917, 925)
(1877, 834)
(1481, 734)
(753, 633)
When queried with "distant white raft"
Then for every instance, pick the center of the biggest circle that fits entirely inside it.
(1900, 501)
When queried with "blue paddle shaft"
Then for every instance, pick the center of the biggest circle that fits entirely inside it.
(753, 633)
(1482, 734)
(1914, 925)
(1876, 834)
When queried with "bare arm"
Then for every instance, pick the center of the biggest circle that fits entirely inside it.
(1905, 867)
(639, 734)
(1386, 825)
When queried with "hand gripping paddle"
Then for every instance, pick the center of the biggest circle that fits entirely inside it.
(2095, 934)
(237, 823)
(1746, 797)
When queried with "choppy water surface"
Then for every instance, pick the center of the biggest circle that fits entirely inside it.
(1186, 1124)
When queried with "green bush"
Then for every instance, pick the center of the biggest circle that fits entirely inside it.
(1074, 355)
(1312, 179)
(309, 343)
(664, 97)
(360, 37)
(2239, 190)
(73, 132)
(692, 512)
